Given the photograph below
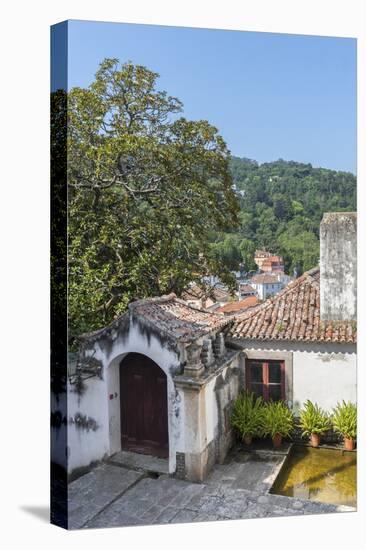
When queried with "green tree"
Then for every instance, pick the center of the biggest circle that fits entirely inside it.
(300, 250)
(282, 207)
(247, 250)
(146, 189)
(227, 251)
(266, 232)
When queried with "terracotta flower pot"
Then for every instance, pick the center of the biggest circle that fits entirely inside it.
(277, 440)
(247, 439)
(314, 440)
(349, 444)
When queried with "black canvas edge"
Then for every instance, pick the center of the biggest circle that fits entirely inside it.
(58, 321)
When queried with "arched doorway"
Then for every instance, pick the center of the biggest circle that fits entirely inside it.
(144, 407)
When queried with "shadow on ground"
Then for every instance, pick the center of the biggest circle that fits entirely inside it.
(40, 512)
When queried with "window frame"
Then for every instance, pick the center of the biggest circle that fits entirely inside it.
(266, 355)
(265, 364)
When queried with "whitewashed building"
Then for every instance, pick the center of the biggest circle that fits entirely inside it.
(163, 383)
(266, 284)
(301, 344)
(161, 379)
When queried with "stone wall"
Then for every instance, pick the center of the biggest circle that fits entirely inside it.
(208, 401)
(338, 266)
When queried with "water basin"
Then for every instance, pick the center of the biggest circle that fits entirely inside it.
(324, 475)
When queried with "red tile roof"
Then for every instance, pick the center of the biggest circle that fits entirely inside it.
(273, 260)
(293, 314)
(264, 278)
(246, 288)
(234, 307)
(170, 316)
(176, 318)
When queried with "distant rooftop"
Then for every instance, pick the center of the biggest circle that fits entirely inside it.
(264, 278)
(234, 307)
(293, 314)
(244, 287)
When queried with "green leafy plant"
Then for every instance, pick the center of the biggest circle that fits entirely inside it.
(248, 415)
(278, 419)
(313, 419)
(344, 419)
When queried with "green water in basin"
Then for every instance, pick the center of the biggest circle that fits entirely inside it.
(324, 475)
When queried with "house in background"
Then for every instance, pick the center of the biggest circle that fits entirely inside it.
(238, 306)
(246, 290)
(195, 296)
(268, 262)
(202, 298)
(162, 378)
(266, 284)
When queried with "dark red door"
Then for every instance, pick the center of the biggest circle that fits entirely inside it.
(144, 408)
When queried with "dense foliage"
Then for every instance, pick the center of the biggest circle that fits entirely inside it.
(282, 204)
(147, 189)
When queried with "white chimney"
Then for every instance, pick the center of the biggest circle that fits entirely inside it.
(338, 266)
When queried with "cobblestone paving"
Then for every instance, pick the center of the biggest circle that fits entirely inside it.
(112, 496)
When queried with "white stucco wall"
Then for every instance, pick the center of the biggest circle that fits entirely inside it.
(324, 373)
(86, 447)
(211, 411)
(83, 446)
(324, 378)
(267, 289)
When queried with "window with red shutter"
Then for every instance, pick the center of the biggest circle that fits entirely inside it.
(266, 379)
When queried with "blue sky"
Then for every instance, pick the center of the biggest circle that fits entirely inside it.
(270, 95)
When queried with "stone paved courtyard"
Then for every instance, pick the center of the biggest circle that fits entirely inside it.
(113, 495)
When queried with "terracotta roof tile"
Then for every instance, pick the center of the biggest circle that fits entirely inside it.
(233, 307)
(176, 318)
(170, 316)
(244, 287)
(293, 314)
(264, 278)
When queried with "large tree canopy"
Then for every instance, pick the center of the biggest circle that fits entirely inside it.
(147, 188)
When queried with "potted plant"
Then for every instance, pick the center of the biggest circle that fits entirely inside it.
(344, 420)
(278, 421)
(247, 416)
(314, 422)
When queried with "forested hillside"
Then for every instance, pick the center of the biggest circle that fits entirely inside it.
(282, 204)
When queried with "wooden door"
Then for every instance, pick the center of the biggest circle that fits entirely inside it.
(144, 407)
